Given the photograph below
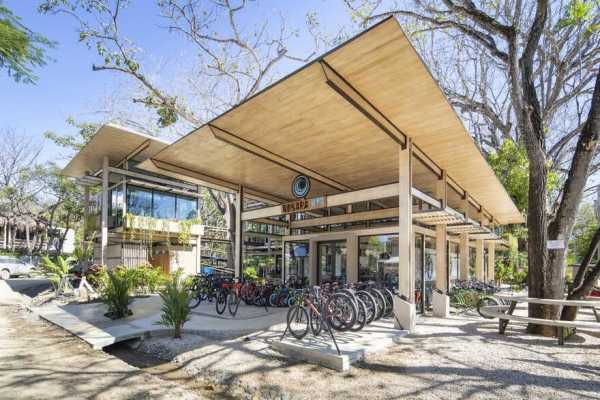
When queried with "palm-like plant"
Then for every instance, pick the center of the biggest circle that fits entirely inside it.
(175, 308)
(55, 270)
(117, 294)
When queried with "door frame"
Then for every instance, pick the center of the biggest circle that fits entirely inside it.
(318, 263)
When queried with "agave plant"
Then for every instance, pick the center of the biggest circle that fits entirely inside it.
(55, 270)
(175, 308)
(117, 294)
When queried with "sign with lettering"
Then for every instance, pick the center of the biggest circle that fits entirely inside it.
(556, 244)
(304, 205)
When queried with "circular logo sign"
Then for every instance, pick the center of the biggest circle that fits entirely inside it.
(301, 186)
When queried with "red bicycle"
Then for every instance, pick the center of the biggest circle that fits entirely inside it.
(229, 296)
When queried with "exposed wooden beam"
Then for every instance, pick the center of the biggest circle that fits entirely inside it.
(135, 152)
(342, 199)
(345, 89)
(151, 178)
(201, 179)
(345, 218)
(265, 154)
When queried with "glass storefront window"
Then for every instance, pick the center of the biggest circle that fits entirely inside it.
(378, 259)
(332, 262)
(139, 201)
(187, 208)
(163, 205)
(160, 204)
(429, 268)
(115, 211)
(453, 261)
(472, 261)
(298, 262)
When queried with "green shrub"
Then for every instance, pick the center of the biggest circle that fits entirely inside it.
(250, 274)
(175, 308)
(463, 298)
(54, 270)
(117, 293)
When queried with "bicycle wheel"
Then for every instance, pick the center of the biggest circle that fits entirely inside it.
(221, 302)
(361, 316)
(370, 304)
(233, 302)
(340, 311)
(484, 302)
(380, 300)
(297, 321)
(389, 302)
(194, 299)
(315, 323)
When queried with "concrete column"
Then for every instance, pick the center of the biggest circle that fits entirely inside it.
(491, 261)
(404, 309)
(239, 245)
(104, 215)
(479, 260)
(464, 257)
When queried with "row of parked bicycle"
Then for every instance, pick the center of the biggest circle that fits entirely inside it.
(342, 307)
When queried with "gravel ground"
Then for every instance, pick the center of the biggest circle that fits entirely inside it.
(463, 357)
(40, 361)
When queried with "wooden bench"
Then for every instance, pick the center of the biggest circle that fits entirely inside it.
(505, 314)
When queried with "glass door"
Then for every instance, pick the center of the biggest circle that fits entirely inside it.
(331, 258)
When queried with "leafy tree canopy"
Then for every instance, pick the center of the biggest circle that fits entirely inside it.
(21, 50)
(511, 165)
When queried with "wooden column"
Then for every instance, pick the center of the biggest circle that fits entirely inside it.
(404, 306)
(199, 237)
(441, 242)
(464, 243)
(491, 275)
(239, 245)
(104, 217)
(406, 275)
(479, 260)
(86, 210)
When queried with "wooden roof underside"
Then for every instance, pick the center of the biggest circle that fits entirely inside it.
(115, 142)
(302, 124)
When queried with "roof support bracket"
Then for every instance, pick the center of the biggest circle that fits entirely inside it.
(358, 101)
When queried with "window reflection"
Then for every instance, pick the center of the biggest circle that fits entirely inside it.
(378, 259)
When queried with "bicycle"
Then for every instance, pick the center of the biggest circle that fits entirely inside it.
(202, 289)
(228, 297)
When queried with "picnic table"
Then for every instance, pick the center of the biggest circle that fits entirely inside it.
(505, 313)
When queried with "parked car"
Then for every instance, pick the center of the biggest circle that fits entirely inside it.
(13, 266)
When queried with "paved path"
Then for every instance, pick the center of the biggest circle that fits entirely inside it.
(88, 322)
(40, 361)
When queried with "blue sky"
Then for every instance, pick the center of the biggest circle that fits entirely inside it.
(67, 86)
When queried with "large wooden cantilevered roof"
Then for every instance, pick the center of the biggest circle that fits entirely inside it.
(320, 121)
(116, 143)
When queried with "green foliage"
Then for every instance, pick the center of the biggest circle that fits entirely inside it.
(175, 308)
(85, 131)
(580, 12)
(584, 229)
(146, 278)
(21, 50)
(250, 274)
(116, 294)
(511, 165)
(465, 298)
(54, 270)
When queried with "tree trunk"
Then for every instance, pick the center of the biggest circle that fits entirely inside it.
(5, 235)
(27, 241)
(177, 334)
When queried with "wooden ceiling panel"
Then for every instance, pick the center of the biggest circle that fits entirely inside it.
(304, 120)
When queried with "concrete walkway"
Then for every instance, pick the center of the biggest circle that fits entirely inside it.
(87, 321)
